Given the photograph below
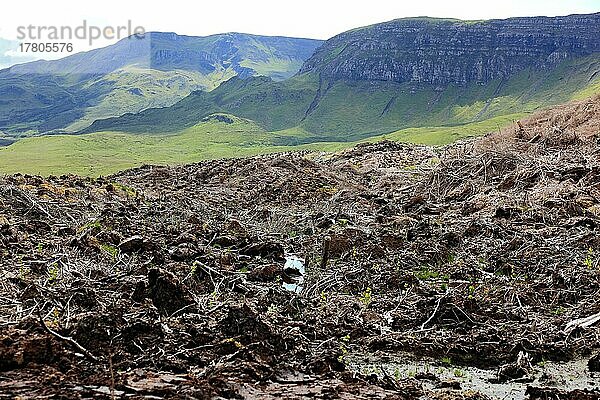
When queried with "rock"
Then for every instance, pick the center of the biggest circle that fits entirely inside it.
(184, 252)
(186, 238)
(225, 241)
(132, 244)
(272, 250)
(265, 273)
(450, 384)
(543, 393)
(139, 293)
(481, 52)
(521, 370)
(19, 348)
(219, 118)
(426, 376)
(235, 228)
(510, 372)
(594, 363)
(166, 291)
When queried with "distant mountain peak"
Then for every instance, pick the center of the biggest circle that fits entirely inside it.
(72, 92)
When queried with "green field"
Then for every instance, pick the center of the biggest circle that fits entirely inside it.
(104, 153)
(439, 136)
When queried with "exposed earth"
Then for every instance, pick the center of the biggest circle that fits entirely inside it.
(388, 271)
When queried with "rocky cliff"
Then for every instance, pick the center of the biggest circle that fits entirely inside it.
(442, 51)
(417, 72)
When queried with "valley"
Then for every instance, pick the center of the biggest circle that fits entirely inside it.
(149, 106)
(156, 71)
(105, 153)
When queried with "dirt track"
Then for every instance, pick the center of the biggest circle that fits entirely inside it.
(173, 281)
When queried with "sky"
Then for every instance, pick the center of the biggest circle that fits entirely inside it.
(320, 19)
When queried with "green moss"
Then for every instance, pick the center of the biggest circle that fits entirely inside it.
(110, 250)
(425, 274)
(90, 225)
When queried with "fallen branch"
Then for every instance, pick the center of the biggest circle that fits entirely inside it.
(69, 340)
(582, 322)
(437, 307)
(20, 195)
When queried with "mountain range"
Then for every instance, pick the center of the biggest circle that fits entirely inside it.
(156, 70)
(404, 73)
(424, 80)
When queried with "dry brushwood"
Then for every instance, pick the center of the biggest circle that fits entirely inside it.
(480, 252)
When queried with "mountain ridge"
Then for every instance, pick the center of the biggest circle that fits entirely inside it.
(443, 51)
(70, 93)
(141, 52)
(344, 98)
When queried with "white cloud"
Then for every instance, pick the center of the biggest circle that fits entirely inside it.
(9, 54)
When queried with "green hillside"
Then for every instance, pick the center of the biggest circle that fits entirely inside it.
(268, 116)
(354, 110)
(405, 73)
(134, 89)
(107, 152)
(136, 74)
(420, 80)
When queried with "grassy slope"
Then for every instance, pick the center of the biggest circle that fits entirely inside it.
(106, 152)
(134, 89)
(439, 136)
(350, 111)
(30, 102)
(69, 94)
(360, 110)
(276, 105)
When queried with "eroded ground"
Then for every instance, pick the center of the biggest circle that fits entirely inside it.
(388, 271)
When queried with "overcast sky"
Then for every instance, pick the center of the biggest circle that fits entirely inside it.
(302, 18)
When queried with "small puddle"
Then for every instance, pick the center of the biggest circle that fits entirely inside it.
(293, 274)
(564, 375)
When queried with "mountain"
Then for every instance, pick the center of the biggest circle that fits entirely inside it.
(442, 52)
(155, 70)
(246, 55)
(411, 72)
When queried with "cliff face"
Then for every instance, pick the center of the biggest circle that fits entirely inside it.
(440, 51)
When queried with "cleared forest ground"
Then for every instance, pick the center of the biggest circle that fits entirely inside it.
(313, 275)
